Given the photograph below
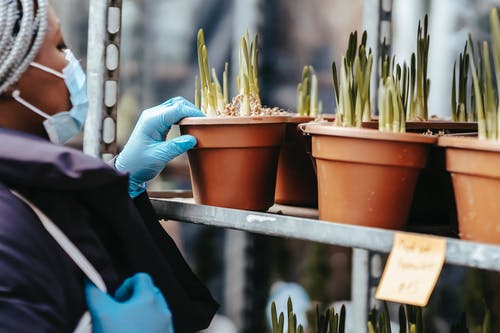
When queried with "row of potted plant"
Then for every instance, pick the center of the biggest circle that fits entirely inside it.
(250, 156)
(328, 322)
(410, 319)
(473, 162)
(382, 194)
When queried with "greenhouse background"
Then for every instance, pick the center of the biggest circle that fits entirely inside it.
(158, 57)
(158, 61)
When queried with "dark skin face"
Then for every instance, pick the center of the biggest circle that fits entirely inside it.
(45, 91)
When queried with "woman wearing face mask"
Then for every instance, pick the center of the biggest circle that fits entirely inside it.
(77, 235)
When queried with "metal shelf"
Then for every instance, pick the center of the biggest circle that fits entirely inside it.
(458, 252)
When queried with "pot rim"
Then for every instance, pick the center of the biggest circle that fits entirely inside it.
(437, 124)
(463, 142)
(365, 133)
(240, 120)
(296, 119)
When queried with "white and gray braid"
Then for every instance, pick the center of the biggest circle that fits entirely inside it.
(22, 32)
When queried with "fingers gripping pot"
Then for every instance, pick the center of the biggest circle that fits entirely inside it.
(235, 162)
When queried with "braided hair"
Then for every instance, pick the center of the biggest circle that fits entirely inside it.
(23, 25)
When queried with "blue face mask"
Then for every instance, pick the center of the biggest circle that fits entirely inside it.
(63, 126)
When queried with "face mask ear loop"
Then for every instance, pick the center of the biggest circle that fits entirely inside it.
(17, 96)
(47, 69)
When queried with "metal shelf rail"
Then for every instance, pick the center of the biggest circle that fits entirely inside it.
(458, 252)
(366, 242)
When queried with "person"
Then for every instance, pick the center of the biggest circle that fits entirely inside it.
(77, 234)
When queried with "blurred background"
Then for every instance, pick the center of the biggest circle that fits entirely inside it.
(158, 61)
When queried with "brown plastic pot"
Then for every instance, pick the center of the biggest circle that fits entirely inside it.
(235, 162)
(473, 165)
(366, 177)
(433, 206)
(296, 180)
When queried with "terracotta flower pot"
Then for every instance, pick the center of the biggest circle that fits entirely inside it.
(433, 202)
(235, 162)
(296, 180)
(474, 167)
(433, 207)
(366, 177)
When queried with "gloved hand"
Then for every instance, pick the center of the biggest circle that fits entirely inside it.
(146, 152)
(138, 307)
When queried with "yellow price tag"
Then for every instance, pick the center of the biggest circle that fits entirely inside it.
(412, 269)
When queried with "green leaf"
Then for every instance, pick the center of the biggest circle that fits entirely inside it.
(335, 82)
(274, 318)
(342, 319)
(477, 93)
(402, 320)
(454, 116)
(486, 328)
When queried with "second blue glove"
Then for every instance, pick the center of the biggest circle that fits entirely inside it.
(138, 306)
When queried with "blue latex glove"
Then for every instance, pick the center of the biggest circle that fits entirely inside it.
(138, 306)
(146, 152)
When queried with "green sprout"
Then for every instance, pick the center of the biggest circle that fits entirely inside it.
(459, 107)
(404, 90)
(352, 90)
(210, 97)
(410, 320)
(329, 322)
(393, 97)
(307, 94)
(248, 78)
(485, 99)
(463, 327)
(419, 82)
(278, 324)
(213, 98)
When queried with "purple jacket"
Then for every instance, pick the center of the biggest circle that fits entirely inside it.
(41, 289)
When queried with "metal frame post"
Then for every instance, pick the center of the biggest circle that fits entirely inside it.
(360, 290)
(238, 262)
(371, 19)
(377, 19)
(103, 74)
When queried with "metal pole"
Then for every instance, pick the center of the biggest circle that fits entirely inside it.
(147, 67)
(235, 255)
(237, 259)
(360, 290)
(371, 19)
(385, 26)
(95, 77)
(246, 18)
(103, 60)
(377, 20)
